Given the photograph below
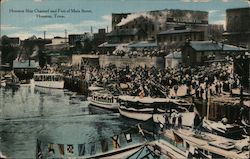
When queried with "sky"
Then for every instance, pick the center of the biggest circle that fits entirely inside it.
(25, 18)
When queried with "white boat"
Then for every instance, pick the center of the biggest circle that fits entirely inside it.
(143, 109)
(3, 83)
(104, 99)
(49, 80)
(11, 81)
(232, 131)
(207, 145)
(153, 149)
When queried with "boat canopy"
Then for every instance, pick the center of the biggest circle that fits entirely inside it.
(143, 100)
(95, 88)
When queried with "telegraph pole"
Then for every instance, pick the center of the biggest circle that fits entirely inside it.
(65, 31)
(44, 35)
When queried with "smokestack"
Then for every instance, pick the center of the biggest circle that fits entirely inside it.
(107, 29)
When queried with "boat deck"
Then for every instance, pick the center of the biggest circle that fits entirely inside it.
(210, 142)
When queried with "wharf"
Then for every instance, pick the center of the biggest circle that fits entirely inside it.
(76, 84)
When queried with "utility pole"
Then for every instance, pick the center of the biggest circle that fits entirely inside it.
(65, 31)
(44, 35)
(91, 29)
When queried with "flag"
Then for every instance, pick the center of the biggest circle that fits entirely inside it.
(177, 138)
(104, 144)
(61, 149)
(81, 149)
(51, 149)
(141, 94)
(115, 141)
(39, 154)
(92, 148)
(70, 149)
(128, 137)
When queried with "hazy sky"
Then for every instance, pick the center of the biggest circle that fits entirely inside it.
(25, 18)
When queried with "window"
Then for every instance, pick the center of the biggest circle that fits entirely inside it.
(180, 37)
(153, 27)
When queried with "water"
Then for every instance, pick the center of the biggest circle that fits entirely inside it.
(52, 116)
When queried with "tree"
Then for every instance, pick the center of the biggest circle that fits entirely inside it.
(9, 52)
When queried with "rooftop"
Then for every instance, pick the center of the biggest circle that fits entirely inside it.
(214, 46)
(24, 64)
(106, 44)
(122, 32)
(178, 31)
(143, 44)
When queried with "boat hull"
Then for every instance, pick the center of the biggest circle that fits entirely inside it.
(145, 114)
(50, 84)
(138, 114)
(110, 106)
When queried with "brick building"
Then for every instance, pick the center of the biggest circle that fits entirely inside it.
(73, 38)
(177, 36)
(238, 26)
(149, 24)
(200, 52)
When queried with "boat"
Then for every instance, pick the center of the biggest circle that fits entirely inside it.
(49, 80)
(3, 82)
(232, 131)
(104, 99)
(150, 150)
(12, 81)
(207, 145)
(142, 109)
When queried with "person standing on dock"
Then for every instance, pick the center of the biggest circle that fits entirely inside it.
(173, 119)
(175, 89)
(179, 120)
(165, 115)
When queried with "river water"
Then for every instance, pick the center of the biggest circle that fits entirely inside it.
(52, 116)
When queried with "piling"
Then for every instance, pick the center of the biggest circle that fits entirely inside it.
(76, 84)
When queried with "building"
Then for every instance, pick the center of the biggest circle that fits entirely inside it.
(242, 68)
(24, 69)
(144, 26)
(99, 38)
(57, 44)
(85, 59)
(126, 36)
(173, 59)
(215, 32)
(14, 41)
(74, 38)
(238, 27)
(176, 37)
(200, 52)
(59, 40)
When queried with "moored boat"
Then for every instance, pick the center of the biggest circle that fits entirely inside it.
(142, 109)
(155, 149)
(2, 82)
(104, 99)
(207, 145)
(49, 80)
(11, 81)
(232, 131)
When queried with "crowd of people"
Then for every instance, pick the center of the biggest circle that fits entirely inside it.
(134, 52)
(200, 81)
